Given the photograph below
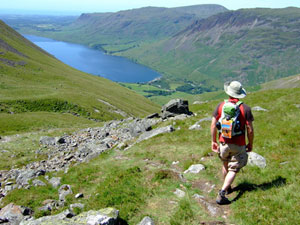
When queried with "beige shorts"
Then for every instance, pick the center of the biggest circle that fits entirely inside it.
(235, 155)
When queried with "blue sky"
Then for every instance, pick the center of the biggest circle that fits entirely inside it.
(79, 6)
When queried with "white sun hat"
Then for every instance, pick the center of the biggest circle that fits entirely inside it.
(235, 89)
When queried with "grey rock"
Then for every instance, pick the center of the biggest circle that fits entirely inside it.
(146, 221)
(255, 159)
(55, 182)
(212, 209)
(37, 182)
(107, 216)
(175, 107)
(179, 193)
(195, 168)
(138, 127)
(258, 108)
(14, 214)
(155, 132)
(24, 176)
(63, 191)
(45, 140)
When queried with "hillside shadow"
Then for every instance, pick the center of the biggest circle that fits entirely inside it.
(246, 186)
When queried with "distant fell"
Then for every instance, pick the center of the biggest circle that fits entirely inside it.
(124, 30)
(250, 45)
(283, 83)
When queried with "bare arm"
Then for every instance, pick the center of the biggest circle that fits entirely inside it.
(213, 132)
(250, 136)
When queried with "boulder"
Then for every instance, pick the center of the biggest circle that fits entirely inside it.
(155, 132)
(255, 159)
(14, 214)
(195, 168)
(79, 195)
(175, 107)
(146, 221)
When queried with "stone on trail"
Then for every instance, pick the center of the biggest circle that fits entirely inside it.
(79, 195)
(146, 221)
(195, 168)
(255, 159)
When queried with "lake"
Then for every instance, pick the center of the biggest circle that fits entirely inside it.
(95, 62)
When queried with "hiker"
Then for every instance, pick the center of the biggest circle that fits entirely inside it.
(233, 119)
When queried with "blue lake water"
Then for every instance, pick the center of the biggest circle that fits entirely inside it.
(95, 62)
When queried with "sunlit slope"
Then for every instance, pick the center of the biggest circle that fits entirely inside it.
(43, 83)
(287, 82)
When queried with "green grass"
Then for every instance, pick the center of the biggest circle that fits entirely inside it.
(141, 181)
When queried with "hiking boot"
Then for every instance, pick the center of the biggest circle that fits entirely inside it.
(221, 199)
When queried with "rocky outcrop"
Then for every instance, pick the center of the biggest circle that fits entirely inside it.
(107, 216)
(79, 147)
(175, 107)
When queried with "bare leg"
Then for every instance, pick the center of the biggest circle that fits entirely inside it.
(225, 169)
(228, 180)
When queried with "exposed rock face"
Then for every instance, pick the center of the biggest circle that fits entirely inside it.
(255, 159)
(107, 216)
(175, 107)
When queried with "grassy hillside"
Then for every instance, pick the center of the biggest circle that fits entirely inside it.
(250, 45)
(287, 82)
(33, 82)
(141, 181)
